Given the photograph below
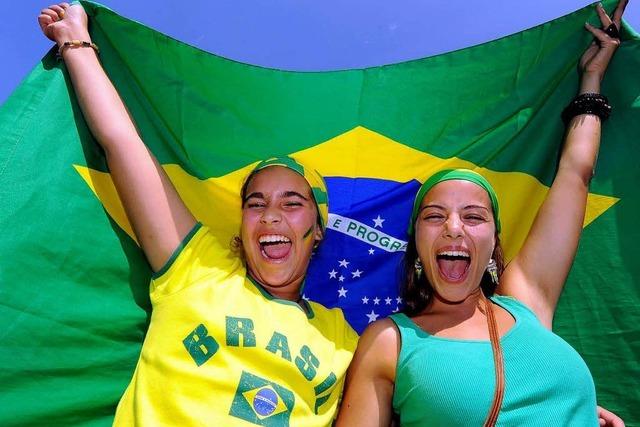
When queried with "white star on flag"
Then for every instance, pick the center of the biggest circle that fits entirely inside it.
(372, 316)
(387, 301)
(365, 300)
(344, 263)
(332, 274)
(399, 300)
(342, 292)
(377, 222)
(341, 278)
(371, 251)
(356, 273)
(376, 301)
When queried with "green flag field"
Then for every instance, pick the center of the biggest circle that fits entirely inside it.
(74, 304)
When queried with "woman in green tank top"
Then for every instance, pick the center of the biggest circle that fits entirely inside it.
(460, 354)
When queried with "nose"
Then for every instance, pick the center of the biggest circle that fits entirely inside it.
(453, 227)
(271, 215)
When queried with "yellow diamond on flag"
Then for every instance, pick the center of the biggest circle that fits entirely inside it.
(358, 153)
(265, 401)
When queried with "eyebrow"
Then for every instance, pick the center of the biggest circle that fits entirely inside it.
(431, 206)
(284, 195)
(476, 207)
(293, 194)
(443, 208)
(254, 195)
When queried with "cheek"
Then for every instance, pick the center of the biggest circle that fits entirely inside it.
(484, 241)
(424, 240)
(301, 218)
(249, 221)
(427, 232)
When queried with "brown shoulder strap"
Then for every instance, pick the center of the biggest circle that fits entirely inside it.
(498, 363)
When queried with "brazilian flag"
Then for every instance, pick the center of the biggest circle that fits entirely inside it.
(74, 299)
(262, 402)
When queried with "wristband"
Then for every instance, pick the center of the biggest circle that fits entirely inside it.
(587, 103)
(76, 43)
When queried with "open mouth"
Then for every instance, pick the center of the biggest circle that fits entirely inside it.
(274, 246)
(453, 265)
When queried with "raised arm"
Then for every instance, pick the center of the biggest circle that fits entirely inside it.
(537, 274)
(159, 218)
(370, 380)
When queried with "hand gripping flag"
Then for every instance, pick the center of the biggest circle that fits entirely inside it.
(74, 284)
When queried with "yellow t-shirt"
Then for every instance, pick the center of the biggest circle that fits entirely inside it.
(220, 351)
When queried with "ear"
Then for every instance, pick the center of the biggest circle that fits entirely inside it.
(493, 247)
(236, 245)
(318, 234)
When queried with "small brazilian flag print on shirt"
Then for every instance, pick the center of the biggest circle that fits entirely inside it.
(262, 402)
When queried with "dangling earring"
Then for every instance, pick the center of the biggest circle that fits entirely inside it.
(492, 269)
(418, 267)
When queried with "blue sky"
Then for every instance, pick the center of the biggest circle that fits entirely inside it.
(303, 34)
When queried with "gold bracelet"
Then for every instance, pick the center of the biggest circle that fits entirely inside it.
(77, 43)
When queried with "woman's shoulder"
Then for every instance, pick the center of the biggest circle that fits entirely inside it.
(377, 352)
(514, 306)
(381, 333)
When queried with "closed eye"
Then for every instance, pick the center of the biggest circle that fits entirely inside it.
(475, 219)
(433, 217)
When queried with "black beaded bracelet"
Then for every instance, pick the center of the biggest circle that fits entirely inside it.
(587, 103)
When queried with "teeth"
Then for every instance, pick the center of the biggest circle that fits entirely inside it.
(454, 253)
(274, 238)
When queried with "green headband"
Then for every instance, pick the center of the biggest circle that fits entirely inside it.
(454, 174)
(313, 178)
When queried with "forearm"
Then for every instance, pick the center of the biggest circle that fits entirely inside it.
(582, 140)
(583, 131)
(159, 218)
(101, 105)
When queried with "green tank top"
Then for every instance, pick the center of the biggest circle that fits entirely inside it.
(450, 382)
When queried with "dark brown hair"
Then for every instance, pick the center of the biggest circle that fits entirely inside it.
(417, 292)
